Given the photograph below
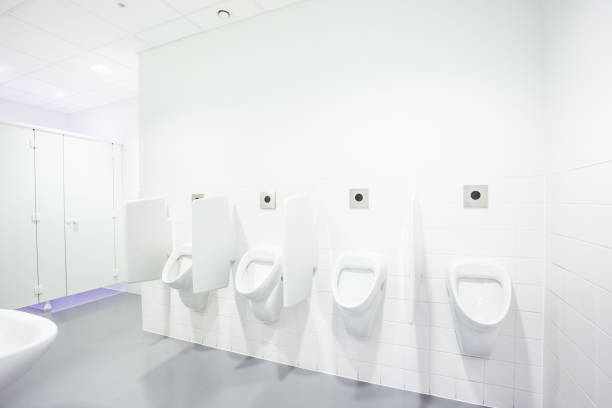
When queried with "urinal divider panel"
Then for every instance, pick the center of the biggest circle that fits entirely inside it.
(148, 238)
(299, 257)
(213, 243)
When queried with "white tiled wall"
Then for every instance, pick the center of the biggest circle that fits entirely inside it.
(578, 324)
(578, 327)
(423, 357)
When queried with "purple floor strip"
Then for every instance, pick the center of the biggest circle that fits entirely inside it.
(67, 302)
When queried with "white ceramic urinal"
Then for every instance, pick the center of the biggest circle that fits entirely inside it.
(270, 277)
(358, 283)
(178, 274)
(480, 295)
(411, 254)
(258, 278)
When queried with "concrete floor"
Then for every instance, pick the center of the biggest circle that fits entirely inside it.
(102, 358)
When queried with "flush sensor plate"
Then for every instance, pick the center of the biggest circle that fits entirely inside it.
(476, 196)
(359, 198)
(267, 200)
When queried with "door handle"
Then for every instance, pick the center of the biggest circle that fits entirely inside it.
(74, 223)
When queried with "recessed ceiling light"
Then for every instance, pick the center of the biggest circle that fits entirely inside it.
(223, 14)
(101, 69)
(59, 94)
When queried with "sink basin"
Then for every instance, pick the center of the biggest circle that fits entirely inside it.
(24, 338)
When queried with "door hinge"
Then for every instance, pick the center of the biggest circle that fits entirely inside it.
(33, 144)
(38, 289)
(36, 218)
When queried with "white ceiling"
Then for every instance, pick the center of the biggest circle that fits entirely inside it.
(48, 47)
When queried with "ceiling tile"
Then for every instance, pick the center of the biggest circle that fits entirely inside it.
(68, 21)
(169, 32)
(36, 87)
(82, 66)
(240, 9)
(274, 4)
(21, 97)
(189, 6)
(13, 64)
(88, 100)
(29, 40)
(137, 15)
(6, 5)
(63, 78)
(60, 106)
(121, 90)
(124, 51)
(76, 73)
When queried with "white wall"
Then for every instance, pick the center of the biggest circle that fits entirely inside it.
(18, 113)
(397, 96)
(579, 82)
(578, 335)
(116, 122)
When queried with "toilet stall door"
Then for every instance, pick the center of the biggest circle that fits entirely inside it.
(88, 183)
(17, 230)
(50, 211)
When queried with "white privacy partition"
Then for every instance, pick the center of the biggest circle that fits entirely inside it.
(299, 250)
(148, 238)
(90, 234)
(213, 243)
(17, 230)
(50, 237)
(411, 254)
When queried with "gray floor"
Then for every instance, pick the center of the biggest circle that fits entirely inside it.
(102, 358)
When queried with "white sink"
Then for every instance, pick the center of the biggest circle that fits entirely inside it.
(24, 338)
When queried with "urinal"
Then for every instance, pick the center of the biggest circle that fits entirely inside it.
(258, 278)
(178, 274)
(358, 283)
(273, 277)
(480, 295)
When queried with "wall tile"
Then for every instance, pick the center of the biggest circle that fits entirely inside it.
(496, 396)
(528, 378)
(531, 325)
(442, 386)
(524, 399)
(499, 373)
(469, 391)
(528, 351)
(529, 298)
